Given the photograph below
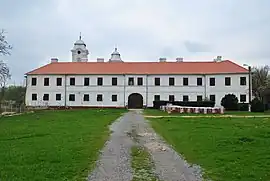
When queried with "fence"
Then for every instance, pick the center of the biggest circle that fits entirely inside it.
(16, 108)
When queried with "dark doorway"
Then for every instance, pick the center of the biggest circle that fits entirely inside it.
(135, 101)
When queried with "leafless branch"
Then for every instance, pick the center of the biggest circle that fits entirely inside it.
(4, 46)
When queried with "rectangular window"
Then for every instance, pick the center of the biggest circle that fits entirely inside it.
(171, 98)
(212, 81)
(213, 98)
(34, 97)
(199, 81)
(58, 81)
(157, 81)
(71, 97)
(130, 81)
(86, 97)
(99, 97)
(72, 81)
(243, 98)
(157, 97)
(34, 81)
(243, 81)
(58, 97)
(46, 81)
(99, 81)
(185, 98)
(114, 81)
(114, 98)
(227, 81)
(199, 98)
(86, 81)
(45, 97)
(185, 81)
(171, 81)
(140, 81)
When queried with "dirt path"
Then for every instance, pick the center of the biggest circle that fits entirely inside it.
(114, 163)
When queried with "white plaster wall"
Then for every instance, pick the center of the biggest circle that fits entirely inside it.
(122, 90)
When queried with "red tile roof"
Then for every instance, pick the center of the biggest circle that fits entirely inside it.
(212, 67)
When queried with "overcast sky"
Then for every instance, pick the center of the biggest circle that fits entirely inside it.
(143, 30)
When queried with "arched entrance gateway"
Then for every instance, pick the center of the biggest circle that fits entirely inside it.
(135, 101)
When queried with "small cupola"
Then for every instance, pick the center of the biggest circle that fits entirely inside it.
(115, 56)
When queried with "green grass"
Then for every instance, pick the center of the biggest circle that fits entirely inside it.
(53, 145)
(229, 149)
(142, 165)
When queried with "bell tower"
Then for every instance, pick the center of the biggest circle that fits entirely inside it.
(79, 51)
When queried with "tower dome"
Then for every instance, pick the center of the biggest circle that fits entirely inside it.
(115, 56)
(79, 51)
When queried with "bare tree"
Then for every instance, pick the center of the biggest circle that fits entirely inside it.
(4, 69)
(260, 81)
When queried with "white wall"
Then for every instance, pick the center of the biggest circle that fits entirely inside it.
(123, 90)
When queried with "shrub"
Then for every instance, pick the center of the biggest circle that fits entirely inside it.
(257, 105)
(243, 106)
(157, 104)
(230, 102)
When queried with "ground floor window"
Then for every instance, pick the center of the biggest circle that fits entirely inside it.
(45, 97)
(171, 98)
(185, 98)
(99, 97)
(157, 97)
(243, 98)
(58, 97)
(114, 98)
(213, 98)
(34, 97)
(71, 97)
(86, 97)
(199, 98)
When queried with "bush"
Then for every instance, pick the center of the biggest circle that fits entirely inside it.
(157, 104)
(257, 105)
(243, 106)
(230, 102)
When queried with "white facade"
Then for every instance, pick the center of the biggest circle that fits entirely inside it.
(148, 90)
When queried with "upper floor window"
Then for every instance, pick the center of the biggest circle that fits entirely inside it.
(86, 81)
(114, 98)
(46, 81)
(185, 81)
(34, 81)
(130, 81)
(71, 97)
(171, 81)
(34, 97)
(72, 81)
(99, 97)
(171, 98)
(157, 97)
(243, 81)
(86, 97)
(199, 81)
(45, 97)
(185, 98)
(114, 81)
(212, 81)
(99, 81)
(58, 97)
(58, 81)
(157, 81)
(140, 81)
(199, 98)
(227, 81)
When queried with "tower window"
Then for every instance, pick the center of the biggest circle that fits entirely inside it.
(79, 52)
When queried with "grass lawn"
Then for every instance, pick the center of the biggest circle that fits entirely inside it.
(229, 149)
(53, 145)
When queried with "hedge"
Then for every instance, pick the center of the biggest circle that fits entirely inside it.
(157, 104)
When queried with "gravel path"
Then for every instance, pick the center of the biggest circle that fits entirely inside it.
(114, 163)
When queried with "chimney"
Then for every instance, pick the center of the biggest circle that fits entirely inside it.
(179, 59)
(162, 59)
(218, 59)
(53, 60)
(100, 59)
